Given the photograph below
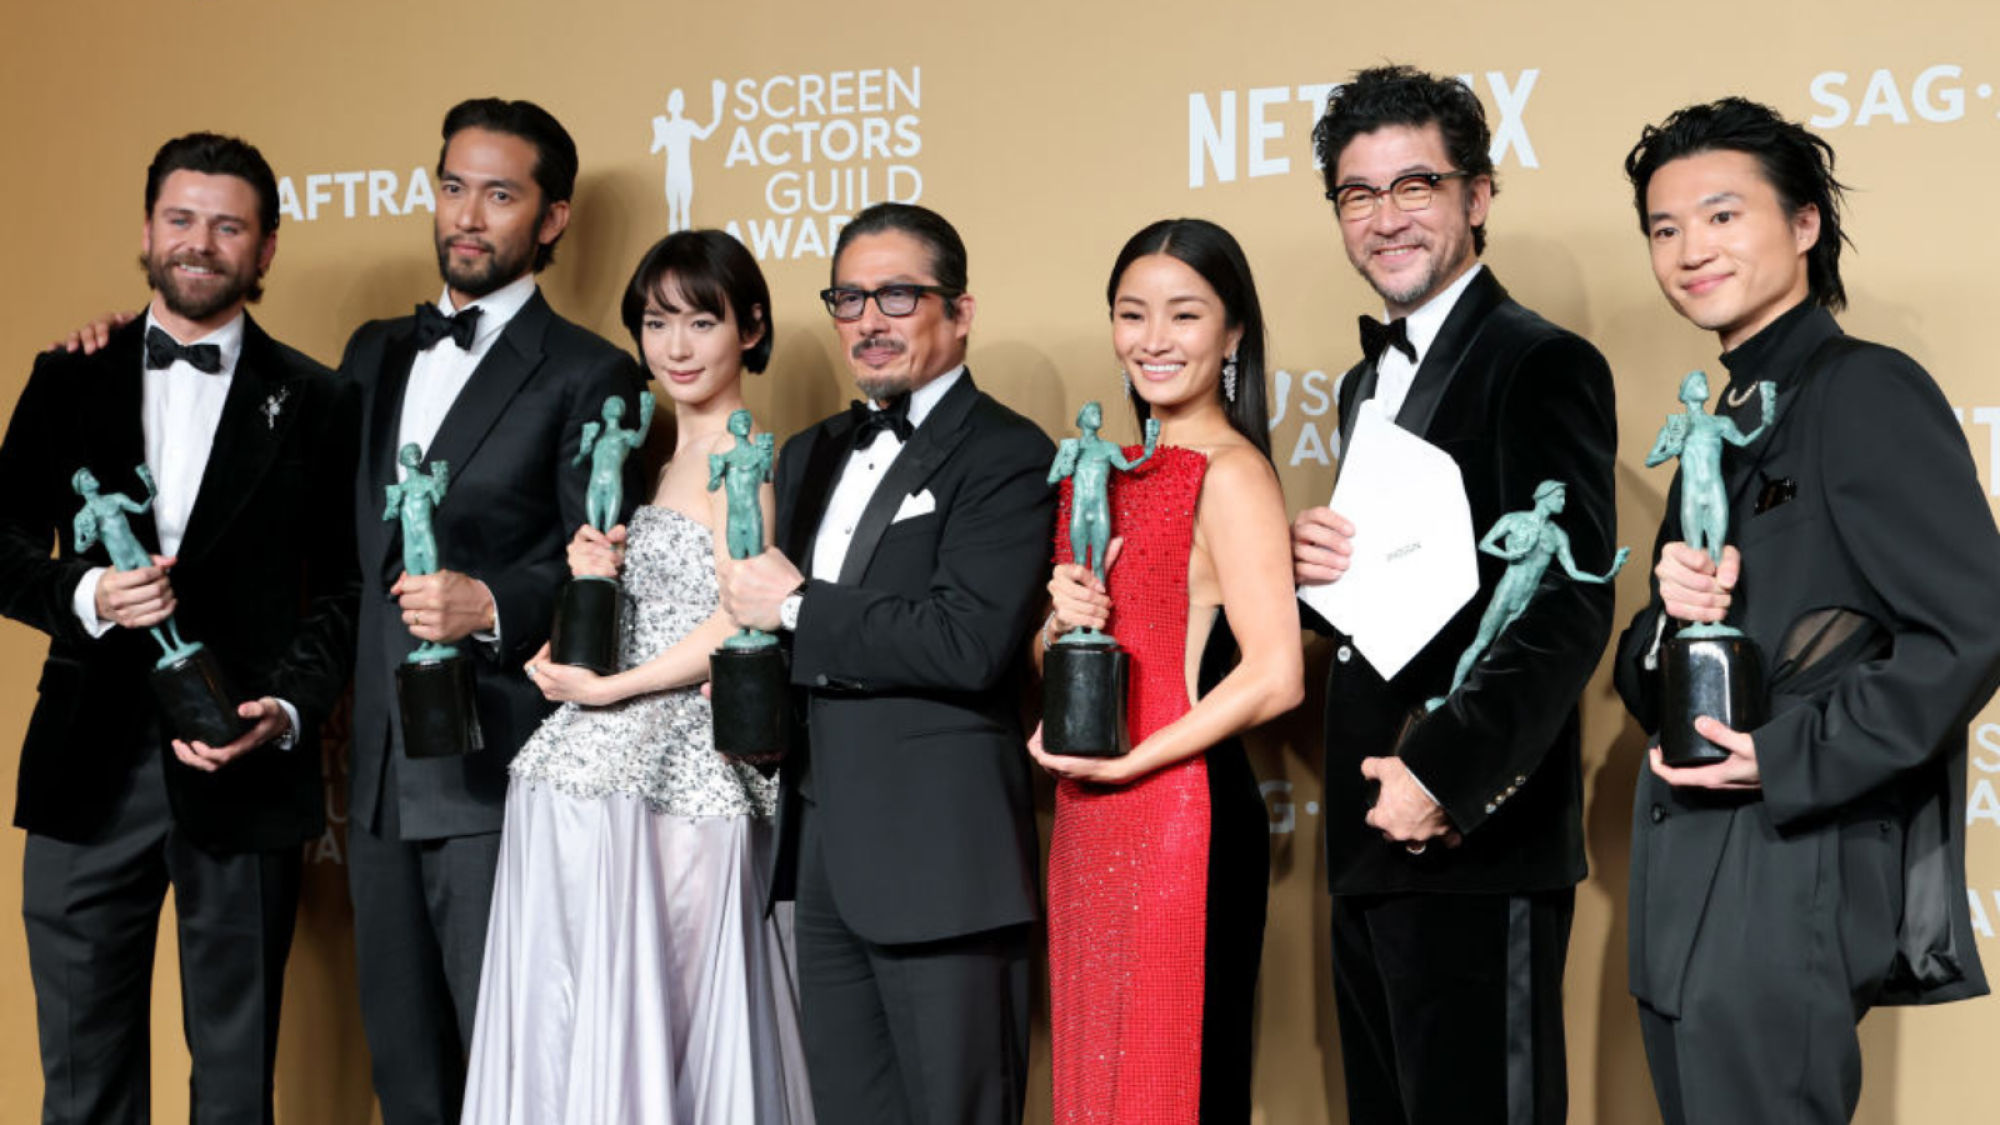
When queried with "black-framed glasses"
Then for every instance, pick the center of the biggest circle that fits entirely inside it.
(899, 299)
(1412, 192)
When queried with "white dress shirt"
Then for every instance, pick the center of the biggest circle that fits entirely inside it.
(1394, 371)
(180, 412)
(443, 370)
(862, 475)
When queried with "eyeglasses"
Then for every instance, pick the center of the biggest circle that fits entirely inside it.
(1353, 202)
(893, 300)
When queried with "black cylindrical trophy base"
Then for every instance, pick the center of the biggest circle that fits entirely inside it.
(1083, 700)
(197, 701)
(585, 633)
(439, 719)
(1721, 677)
(750, 695)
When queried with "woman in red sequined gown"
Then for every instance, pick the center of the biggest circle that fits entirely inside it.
(1160, 860)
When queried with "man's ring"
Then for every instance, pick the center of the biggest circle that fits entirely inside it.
(531, 671)
(417, 616)
(1415, 849)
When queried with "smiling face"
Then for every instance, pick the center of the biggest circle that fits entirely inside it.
(1410, 256)
(892, 355)
(1171, 331)
(490, 216)
(204, 250)
(1725, 252)
(694, 353)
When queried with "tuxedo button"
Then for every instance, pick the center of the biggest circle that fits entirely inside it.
(1344, 653)
(1491, 807)
(1659, 814)
(820, 680)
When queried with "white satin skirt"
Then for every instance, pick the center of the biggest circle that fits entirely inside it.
(630, 972)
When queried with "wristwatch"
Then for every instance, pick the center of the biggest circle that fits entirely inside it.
(788, 610)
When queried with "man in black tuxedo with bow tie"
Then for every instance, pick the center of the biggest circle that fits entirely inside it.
(252, 447)
(913, 533)
(1455, 836)
(491, 381)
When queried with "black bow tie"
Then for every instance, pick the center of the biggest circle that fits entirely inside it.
(894, 417)
(1375, 336)
(162, 350)
(433, 325)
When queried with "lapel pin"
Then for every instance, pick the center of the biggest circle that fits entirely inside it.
(274, 406)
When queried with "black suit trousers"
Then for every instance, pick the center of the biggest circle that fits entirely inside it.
(92, 912)
(929, 1033)
(1451, 1007)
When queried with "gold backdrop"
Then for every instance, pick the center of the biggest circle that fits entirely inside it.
(1047, 132)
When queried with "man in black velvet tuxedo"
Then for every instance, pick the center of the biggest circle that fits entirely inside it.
(252, 446)
(920, 524)
(1819, 871)
(493, 382)
(1454, 837)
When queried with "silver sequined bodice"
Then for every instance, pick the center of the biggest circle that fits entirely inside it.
(659, 747)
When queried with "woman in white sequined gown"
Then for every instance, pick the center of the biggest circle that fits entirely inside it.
(630, 972)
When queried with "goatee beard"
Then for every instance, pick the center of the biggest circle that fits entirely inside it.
(478, 281)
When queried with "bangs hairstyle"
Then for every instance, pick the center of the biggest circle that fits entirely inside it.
(1213, 253)
(711, 271)
(1797, 163)
(1386, 96)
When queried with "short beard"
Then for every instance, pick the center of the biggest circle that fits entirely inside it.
(160, 275)
(476, 282)
(882, 388)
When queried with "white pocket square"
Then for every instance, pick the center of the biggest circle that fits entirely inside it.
(914, 505)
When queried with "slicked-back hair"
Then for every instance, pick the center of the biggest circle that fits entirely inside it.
(1213, 253)
(1385, 96)
(711, 271)
(1797, 163)
(555, 152)
(213, 154)
(947, 250)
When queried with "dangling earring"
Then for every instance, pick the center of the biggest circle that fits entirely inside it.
(1125, 377)
(1229, 377)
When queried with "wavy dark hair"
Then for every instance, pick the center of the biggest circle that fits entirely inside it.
(1797, 163)
(555, 152)
(714, 273)
(212, 154)
(1213, 253)
(1385, 96)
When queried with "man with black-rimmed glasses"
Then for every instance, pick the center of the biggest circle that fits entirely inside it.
(913, 531)
(1455, 836)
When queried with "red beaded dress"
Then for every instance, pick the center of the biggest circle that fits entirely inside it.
(1157, 888)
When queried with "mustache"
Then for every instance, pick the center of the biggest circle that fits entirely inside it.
(876, 341)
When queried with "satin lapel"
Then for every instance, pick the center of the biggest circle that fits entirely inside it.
(262, 404)
(922, 454)
(385, 420)
(514, 357)
(823, 464)
(1364, 379)
(118, 446)
(1448, 352)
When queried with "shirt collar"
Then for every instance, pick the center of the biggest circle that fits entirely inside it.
(227, 339)
(496, 308)
(1424, 324)
(924, 399)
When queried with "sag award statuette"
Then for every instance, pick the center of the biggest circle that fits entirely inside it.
(187, 679)
(585, 632)
(751, 696)
(1705, 669)
(434, 682)
(1529, 541)
(1084, 673)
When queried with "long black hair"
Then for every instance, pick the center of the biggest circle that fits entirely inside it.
(1213, 253)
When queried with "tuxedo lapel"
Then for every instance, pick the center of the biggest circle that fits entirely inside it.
(263, 402)
(513, 358)
(1456, 341)
(824, 461)
(1364, 378)
(385, 421)
(117, 445)
(922, 454)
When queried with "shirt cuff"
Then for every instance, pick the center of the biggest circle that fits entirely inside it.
(1420, 785)
(484, 636)
(83, 603)
(290, 738)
